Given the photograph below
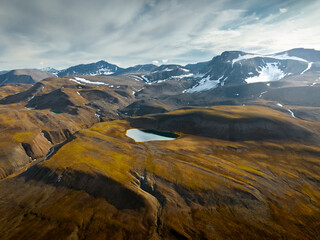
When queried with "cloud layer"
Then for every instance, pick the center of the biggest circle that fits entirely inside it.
(59, 33)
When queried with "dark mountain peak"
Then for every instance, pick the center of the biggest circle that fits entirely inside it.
(228, 56)
(98, 68)
(101, 62)
(169, 66)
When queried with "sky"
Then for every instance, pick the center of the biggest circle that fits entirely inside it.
(63, 33)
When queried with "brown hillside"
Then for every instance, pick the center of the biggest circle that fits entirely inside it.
(104, 185)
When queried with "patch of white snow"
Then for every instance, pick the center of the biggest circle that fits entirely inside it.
(82, 80)
(267, 73)
(278, 57)
(291, 112)
(260, 96)
(29, 99)
(279, 104)
(308, 68)
(204, 85)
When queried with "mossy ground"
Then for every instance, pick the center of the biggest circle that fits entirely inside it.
(235, 190)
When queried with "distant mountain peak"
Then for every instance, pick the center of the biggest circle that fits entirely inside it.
(98, 68)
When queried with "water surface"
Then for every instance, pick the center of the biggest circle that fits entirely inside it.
(150, 135)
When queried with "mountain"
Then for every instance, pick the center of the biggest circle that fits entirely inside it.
(3, 72)
(311, 55)
(29, 76)
(166, 72)
(93, 69)
(236, 67)
(201, 67)
(49, 69)
(144, 68)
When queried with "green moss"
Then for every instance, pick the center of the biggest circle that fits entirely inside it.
(250, 170)
(23, 136)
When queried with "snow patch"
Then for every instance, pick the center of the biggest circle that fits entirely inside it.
(102, 71)
(182, 76)
(291, 112)
(308, 68)
(29, 99)
(279, 104)
(278, 57)
(204, 85)
(82, 80)
(185, 70)
(267, 73)
(286, 57)
(145, 79)
(137, 78)
(260, 96)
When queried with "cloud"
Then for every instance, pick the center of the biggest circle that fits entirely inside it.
(165, 60)
(63, 33)
(155, 62)
(283, 10)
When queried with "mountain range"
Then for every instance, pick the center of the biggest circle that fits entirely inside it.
(229, 68)
(236, 153)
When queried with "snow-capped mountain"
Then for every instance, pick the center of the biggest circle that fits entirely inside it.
(3, 72)
(168, 72)
(236, 67)
(93, 69)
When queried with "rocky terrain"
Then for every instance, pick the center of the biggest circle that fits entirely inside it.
(245, 164)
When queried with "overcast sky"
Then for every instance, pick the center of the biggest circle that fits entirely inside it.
(62, 33)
